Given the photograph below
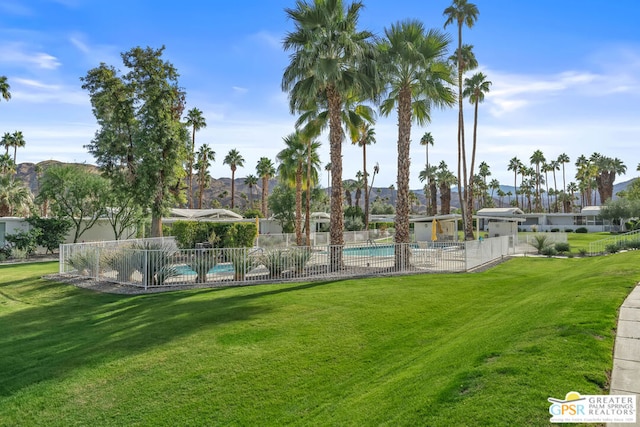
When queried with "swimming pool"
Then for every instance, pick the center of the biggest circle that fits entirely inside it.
(218, 268)
(371, 250)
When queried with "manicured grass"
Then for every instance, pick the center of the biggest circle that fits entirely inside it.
(439, 350)
(581, 240)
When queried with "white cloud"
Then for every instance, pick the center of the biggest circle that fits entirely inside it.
(240, 90)
(19, 54)
(267, 39)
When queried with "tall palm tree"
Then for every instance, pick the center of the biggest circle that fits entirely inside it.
(7, 166)
(562, 159)
(7, 141)
(204, 156)
(427, 140)
(330, 58)
(462, 13)
(235, 161)
(195, 121)
(18, 142)
(537, 158)
(429, 175)
(469, 61)
(445, 179)
(251, 181)
(265, 170)
(5, 88)
(475, 88)
(413, 64)
(293, 161)
(514, 165)
(366, 136)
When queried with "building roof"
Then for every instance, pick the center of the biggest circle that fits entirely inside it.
(204, 213)
(499, 212)
(590, 210)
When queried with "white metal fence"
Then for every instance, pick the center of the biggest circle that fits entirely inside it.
(159, 262)
(602, 246)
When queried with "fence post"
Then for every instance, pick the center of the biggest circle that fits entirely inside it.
(145, 276)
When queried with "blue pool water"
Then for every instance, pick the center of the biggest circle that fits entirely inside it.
(376, 250)
(220, 268)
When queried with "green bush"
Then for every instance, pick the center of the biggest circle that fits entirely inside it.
(612, 248)
(52, 231)
(568, 230)
(153, 261)
(5, 252)
(220, 235)
(582, 252)
(85, 262)
(120, 261)
(555, 230)
(549, 251)
(26, 241)
(633, 244)
(582, 230)
(562, 247)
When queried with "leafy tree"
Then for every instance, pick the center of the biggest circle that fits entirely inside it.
(141, 143)
(76, 194)
(235, 160)
(412, 63)
(26, 241)
(195, 121)
(462, 13)
(282, 203)
(330, 60)
(265, 170)
(52, 231)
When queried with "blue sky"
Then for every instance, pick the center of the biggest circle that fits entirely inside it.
(566, 77)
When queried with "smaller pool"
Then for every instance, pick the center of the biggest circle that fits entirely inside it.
(219, 268)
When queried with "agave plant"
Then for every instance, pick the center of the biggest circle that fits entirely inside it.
(86, 263)
(242, 262)
(121, 261)
(153, 260)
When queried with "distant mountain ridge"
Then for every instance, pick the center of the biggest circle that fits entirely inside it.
(220, 188)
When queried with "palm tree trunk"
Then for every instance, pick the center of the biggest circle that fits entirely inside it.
(336, 230)
(299, 206)
(265, 185)
(233, 187)
(468, 232)
(366, 188)
(402, 202)
(190, 190)
(307, 217)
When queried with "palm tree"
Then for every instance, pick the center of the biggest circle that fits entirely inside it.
(251, 181)
(234, 160)
(5, 88)
(475, 88)
(429, 175)
(293, 161)
(265, 170)
(204, 156)
(446, 179)
(196, 121)
(426, 140)
(366, 136)
(546, 168)
(537, 158)
(572, 188)
(494, 185)
(515, 165)
(7, 141)
(562, 159)
(330, 59)
(469, 61)
(554, 166)
(462, 13)
(413, 65)
(18, 142)
(15, 197)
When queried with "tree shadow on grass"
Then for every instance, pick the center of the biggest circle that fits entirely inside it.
(81, 329)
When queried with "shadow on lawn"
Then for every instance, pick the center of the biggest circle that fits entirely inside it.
(83, 329)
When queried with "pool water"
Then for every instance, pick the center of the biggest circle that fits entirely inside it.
(219, 268)
(376, 250)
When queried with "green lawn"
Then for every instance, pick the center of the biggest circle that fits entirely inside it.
(438, 350)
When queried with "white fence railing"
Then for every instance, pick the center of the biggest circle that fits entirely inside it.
(319, 239)
(600, 246)
(157, 263)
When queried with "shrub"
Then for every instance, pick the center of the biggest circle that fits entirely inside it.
(121, 261)
(568, 230)
(26, 241)
(562, 247)
(540, 242)
(549, 251)
(300, 257)
(582, 230)
(633, 244)
(276, 261)
(86, 262)
(5, 252)
(242, 262)
(353, 223)
(221, 235)
(612, 248)
(52, 231)
(153, 261)
(582, 252)
(555, 230)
